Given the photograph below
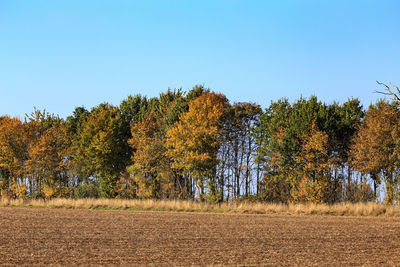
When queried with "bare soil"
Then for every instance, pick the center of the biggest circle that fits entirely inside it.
(31, 236)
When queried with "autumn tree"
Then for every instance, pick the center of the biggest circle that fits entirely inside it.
(194, 142)
(374, 150)
(48, 160)
(13, 154)
(151, 170)
(151, 167)
(312, 181)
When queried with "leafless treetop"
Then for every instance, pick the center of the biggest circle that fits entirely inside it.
(389, 93)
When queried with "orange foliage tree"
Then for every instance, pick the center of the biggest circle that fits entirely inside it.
(374, 150)
(151, 168)
(48, 161)
(13, 154)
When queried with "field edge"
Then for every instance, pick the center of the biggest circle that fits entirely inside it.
(341, 209)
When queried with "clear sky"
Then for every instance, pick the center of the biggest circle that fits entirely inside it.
(62, 54)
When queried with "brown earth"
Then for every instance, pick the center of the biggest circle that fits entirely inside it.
(31, 236)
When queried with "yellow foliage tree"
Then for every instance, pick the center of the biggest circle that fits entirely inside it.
(313, 178)
(194, 141)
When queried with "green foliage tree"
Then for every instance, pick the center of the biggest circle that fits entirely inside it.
(283, 130)
(101, 148)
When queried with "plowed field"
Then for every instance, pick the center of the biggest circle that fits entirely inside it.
(100, 237)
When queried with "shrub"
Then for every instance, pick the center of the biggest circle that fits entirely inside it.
(87, 190)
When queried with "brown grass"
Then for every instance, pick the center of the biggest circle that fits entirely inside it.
(342, 209)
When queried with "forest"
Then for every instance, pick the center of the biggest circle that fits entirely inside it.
(196, 145)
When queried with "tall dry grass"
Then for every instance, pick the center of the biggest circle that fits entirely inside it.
(341, 209)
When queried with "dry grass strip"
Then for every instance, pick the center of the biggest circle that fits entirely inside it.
(341, 209)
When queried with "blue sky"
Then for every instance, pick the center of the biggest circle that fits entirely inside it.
(62, 54)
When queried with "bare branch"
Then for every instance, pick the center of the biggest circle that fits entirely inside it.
(381, 92)
(395, 86)
(394, 96)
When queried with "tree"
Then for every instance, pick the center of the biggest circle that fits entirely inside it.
(194, 142)
(48, 161)
(375, 147)
(151, 167)
(280, 137)
(313, 179)
(13, 154)
(133, 108)
(74, 125)
(101, 147)
(76, 120)
(46, 165)
(236, 153)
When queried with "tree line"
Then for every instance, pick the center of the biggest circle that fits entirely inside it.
(197, 145)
